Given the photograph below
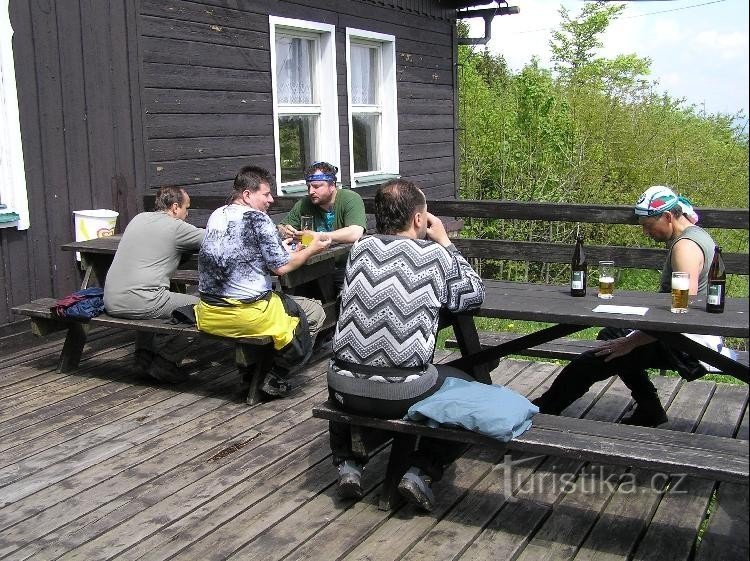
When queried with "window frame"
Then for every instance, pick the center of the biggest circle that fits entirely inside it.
(13, 189)
(387, 108)
(328, 147)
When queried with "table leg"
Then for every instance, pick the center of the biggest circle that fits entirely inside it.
(469, 345)
(492, 354)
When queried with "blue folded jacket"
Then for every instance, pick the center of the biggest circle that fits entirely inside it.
(491, 410)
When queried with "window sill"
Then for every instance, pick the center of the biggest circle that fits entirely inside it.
(9, 220)
(373, 179)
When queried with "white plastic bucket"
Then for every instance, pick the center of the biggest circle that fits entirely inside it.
(91, 224)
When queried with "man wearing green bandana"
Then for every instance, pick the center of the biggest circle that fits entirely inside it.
(664, 217)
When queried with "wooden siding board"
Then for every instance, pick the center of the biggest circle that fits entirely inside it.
(184, 126)
(424, 122)
(201, 13)
(198, 101)
(135, 73)
(203, 33)
(416, 136)
(161, 75)
(429, 150)
(208, 147)
(123, 182)
(204, 170)
(74, 108)
(98, 83)
(412, 92)
(427, 165)
(192, 53)
(55, 197)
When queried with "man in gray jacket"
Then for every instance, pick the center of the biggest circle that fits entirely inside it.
(137, 284)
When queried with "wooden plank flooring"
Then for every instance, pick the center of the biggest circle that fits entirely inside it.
(105, 464)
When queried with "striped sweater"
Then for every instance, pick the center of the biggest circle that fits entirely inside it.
(393, 292)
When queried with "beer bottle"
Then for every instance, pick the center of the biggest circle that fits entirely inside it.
(578, 269)
(717, 280)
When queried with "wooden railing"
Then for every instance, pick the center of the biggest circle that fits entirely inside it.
(544, 252)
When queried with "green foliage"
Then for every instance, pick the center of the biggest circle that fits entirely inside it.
(589, 130)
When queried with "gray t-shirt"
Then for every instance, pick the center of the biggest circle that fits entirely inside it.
(147, 256)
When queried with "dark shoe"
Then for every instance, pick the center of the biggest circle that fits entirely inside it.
(650, 416)
(166, 371)
(274, 386)
(143, 360)
(415, 488)
(350, 480)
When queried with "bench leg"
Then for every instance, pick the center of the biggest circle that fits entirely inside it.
(73, 347)
(401, 449)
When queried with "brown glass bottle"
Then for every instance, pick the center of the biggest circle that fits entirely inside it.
(578, 269)
(717, 281)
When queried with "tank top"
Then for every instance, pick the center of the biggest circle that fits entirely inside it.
(702, 238)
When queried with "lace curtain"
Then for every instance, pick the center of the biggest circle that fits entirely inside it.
(294, 69)
(363, 68)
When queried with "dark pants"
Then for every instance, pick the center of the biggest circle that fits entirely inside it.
(432, 455)
(587, 369)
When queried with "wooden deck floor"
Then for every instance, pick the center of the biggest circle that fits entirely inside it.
(104, 464)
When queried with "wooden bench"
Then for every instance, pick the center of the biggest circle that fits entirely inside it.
(250, 353)
(710, 457)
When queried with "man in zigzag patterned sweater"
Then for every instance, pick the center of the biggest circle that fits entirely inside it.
(396, 284)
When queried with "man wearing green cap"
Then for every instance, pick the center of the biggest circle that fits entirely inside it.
(664, 217)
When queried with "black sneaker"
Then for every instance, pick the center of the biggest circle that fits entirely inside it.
(415, 488)
(350, 480)
(646, 417)
(275, 386)
(166, 371)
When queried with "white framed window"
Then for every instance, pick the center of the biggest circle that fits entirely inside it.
(12, 176)
(373, 112)
(305, 103)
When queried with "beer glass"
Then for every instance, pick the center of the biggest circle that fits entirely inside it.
(606, 279)
(680, 292)
(306, 225)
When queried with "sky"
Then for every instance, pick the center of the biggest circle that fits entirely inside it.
(698, 48)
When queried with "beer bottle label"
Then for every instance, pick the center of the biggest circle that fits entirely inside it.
(576, 281)
(714, 294)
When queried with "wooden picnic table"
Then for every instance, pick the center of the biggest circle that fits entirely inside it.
(97, 255)
(553, 304)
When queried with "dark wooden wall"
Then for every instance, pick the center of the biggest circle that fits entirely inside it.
(77, 77)
(207, 87)
(120, 96)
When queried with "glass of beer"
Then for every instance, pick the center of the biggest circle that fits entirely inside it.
(680, 292)
(606, 279)
(306, 226)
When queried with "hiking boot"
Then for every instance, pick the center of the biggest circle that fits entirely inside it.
(415, 488)
(274, 386)
(646, 416)
(350, 480)
(166, 371)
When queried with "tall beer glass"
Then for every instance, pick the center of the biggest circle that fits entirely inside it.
(680, 292)
(606, 279)
(306, 226)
